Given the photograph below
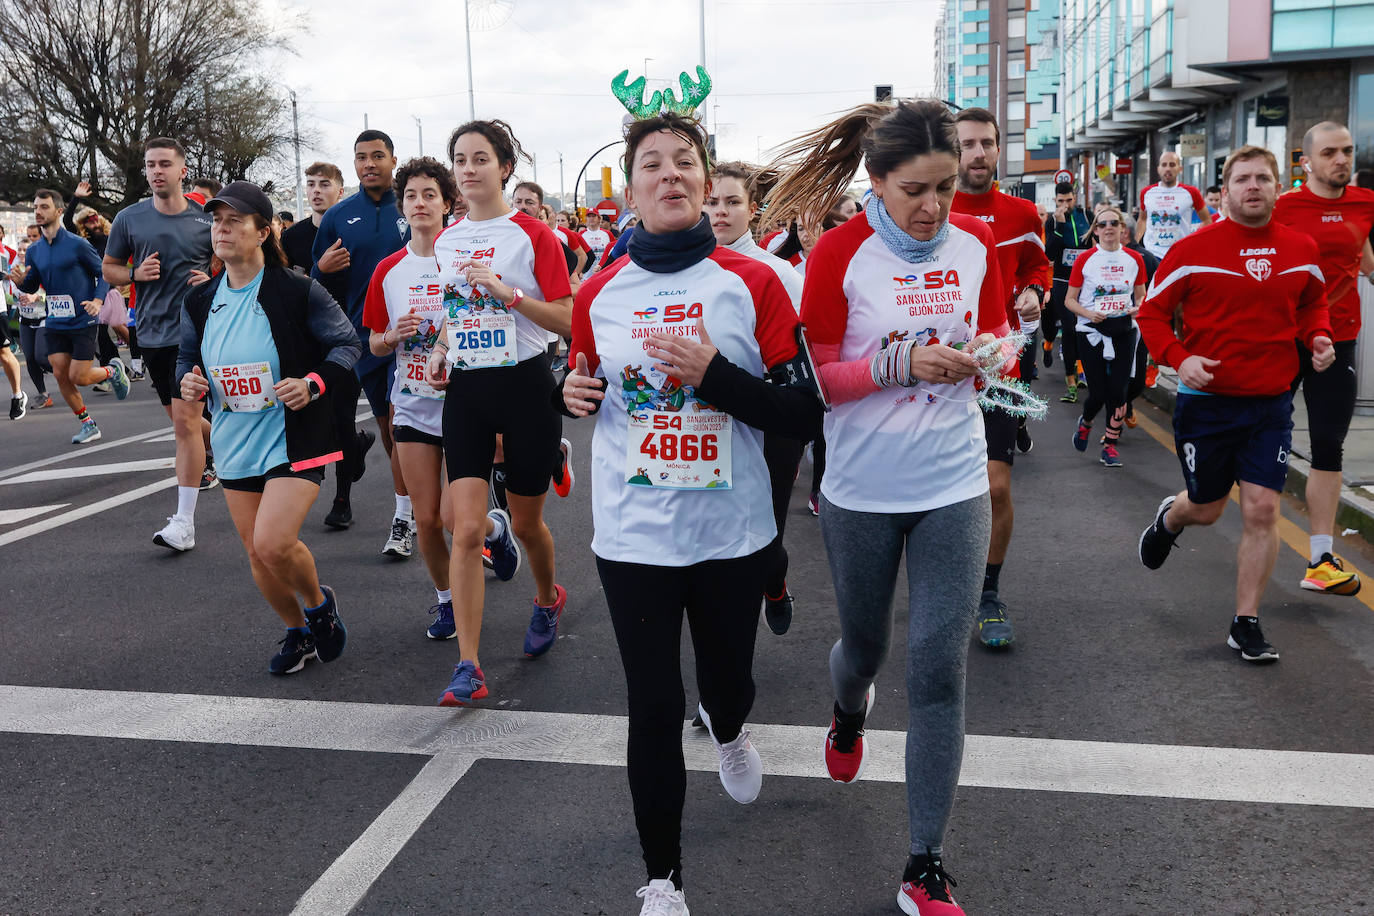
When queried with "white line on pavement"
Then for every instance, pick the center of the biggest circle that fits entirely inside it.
(58, 521)
(94, 470)
(15, 516)
(1054, 765)
(84, 450)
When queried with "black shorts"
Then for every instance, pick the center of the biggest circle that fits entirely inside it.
(5, 335)
(1221, 440)
(411, 434)
(377, 386)
(160, 364)
(1330, 399)
(1000, 429)
(259, 483)
(515, 402)
(78, 344)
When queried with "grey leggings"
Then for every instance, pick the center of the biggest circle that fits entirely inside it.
(946, 552)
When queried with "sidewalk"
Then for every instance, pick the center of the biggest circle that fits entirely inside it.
(1357, 496)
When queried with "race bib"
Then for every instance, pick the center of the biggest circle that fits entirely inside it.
(412, 364)
(1072, 254)
(33, 310)
(674, 440)
(481, 330)
(1112, 303)
(61, 307)
(245, 388)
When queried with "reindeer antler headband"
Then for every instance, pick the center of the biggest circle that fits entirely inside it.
(632, 95)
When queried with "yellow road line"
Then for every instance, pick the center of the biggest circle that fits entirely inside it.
(1289, 533)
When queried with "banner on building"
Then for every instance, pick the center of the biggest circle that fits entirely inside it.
(1271, 110)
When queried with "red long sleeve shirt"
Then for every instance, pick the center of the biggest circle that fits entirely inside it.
(1340, 228)
(1246, 295)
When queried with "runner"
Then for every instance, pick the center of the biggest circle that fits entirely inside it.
(167, 240)
(1025, 272)
(1067, 236)
(1338, 217)
(505, 283)
(19, 398)
(266, 345)
(682, 507)
(908, 474)
(731, 204)
(1105, 291)
(597, 240)
(1247, 288)
(68, 269)
(353, 238)
(1167, 208)
(404, 311)
(324, 187)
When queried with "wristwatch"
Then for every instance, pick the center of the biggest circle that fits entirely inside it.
(519, 295)
(314, 388)
(1039, 290)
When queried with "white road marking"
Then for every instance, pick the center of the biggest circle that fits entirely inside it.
(77, 514)
(170, 437)
(1041, 764)
(15, 516)
(83, 451)
(94, 470)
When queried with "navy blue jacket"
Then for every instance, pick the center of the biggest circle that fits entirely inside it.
(66, 266)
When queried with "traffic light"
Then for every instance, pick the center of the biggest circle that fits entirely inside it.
(606, 182)
(882, 93)
(1295, 166)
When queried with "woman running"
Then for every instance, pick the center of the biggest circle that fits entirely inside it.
(731, 205)
(908, 470)
(685, 332)
(504, 284)
(1105, 291)
(404, 311)
(267, 345)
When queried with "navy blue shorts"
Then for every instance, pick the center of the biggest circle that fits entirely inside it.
(377, 386)
(1221, 440)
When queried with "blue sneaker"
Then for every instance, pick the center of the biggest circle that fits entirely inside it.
(443, 626)
(467, 685)
(539, 638)
(1080, 437)
(326, 627)
(88, 432)
(505, 553)
(297, 648)
(119, 378)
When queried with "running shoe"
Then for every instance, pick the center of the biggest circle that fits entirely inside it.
(1329, 575)
(136, 375)
(340, 514)
(327, 628)
(1070, 396)
(486, 557)
(209, 478)
(741, 769)
(814, 504)
(1080, 438)
(443, 626)
(365, 440)
(1047, 357)
(994, 630)
(401, 541)
(1023, 439)
(178, 534)
(846, 748)
(19, 405)
(1247, 637)
(88, 432)
(43, 401)
(102, 387)
(543, 629)
(1131, 421)
(1151, 375)
(468, 684)
(119, 378)
(563, 477)
(1110, 456)
(778, 611)
(1156, 541)
(505, 553)
(925, 888)
(661, 898)
(297, 648)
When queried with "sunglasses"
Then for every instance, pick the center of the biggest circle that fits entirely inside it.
(1108, 223)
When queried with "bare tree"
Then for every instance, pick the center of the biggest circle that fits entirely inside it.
(85, 82)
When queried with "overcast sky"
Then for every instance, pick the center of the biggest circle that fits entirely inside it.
(779, 67)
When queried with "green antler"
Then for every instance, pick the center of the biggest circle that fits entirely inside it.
(632, 96)
(693, 94)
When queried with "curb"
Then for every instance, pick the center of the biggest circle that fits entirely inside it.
(1355, 510)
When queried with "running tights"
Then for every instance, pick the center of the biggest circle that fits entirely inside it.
(946, 552)
(721, 601)
(783, 457)
(1109, 380)
(1068, 339)
(33, 341)
(345, 403)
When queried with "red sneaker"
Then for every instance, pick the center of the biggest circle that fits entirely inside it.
(563, 480)
(846, 749)
(925, 889)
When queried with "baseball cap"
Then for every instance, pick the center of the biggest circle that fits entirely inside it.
(243, 196)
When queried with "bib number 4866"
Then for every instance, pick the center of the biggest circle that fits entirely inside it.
(663, 443)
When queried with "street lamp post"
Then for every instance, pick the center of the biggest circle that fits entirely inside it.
(421, 131)
(296, 141)
(467, 37)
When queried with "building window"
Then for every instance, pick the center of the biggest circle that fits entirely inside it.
(1300, 25)
(1016, 27)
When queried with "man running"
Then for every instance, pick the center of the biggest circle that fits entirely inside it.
(1247, 288)
(1167, 208)
(324, 186)
(1018, 230)
(1068, 235)
(168, 238)
(597, 240)
(68, 269)
(353, 238)
(1338, 217)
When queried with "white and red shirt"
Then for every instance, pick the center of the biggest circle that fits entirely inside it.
(903, 449)
(1168, 214)
(1246, 295)
(1340, 227)
(573, 240)
(402, 282)
(1107, 282)
(525, 255)
(597, 241)
(790, 277)
(639, 518)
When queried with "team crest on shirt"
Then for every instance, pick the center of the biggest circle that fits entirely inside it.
(1259, 268)
(402, 225)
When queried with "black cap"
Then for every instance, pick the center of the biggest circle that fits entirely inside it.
(243, 196)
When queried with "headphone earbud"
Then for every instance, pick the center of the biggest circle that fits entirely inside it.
(1307, 166)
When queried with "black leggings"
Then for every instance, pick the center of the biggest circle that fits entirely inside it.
(33, 341)
(134, 351)
(1330, 399)
(1068, 339)
(721, 600)
(345, 403)
(817, 463)
(105, 348)
(1108, 381)
(783, 457)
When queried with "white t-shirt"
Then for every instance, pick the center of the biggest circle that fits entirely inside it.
(404, 281)
(791, 279)
(1108, 280)
(1168, 213)
(522, 251)
(598, 240)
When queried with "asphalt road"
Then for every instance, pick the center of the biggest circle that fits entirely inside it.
(1121, 758)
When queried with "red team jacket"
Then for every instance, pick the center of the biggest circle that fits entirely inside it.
(1340, 228)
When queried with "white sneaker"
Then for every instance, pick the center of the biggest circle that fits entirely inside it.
(741, 769)
(179, 534)
(662, 899)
